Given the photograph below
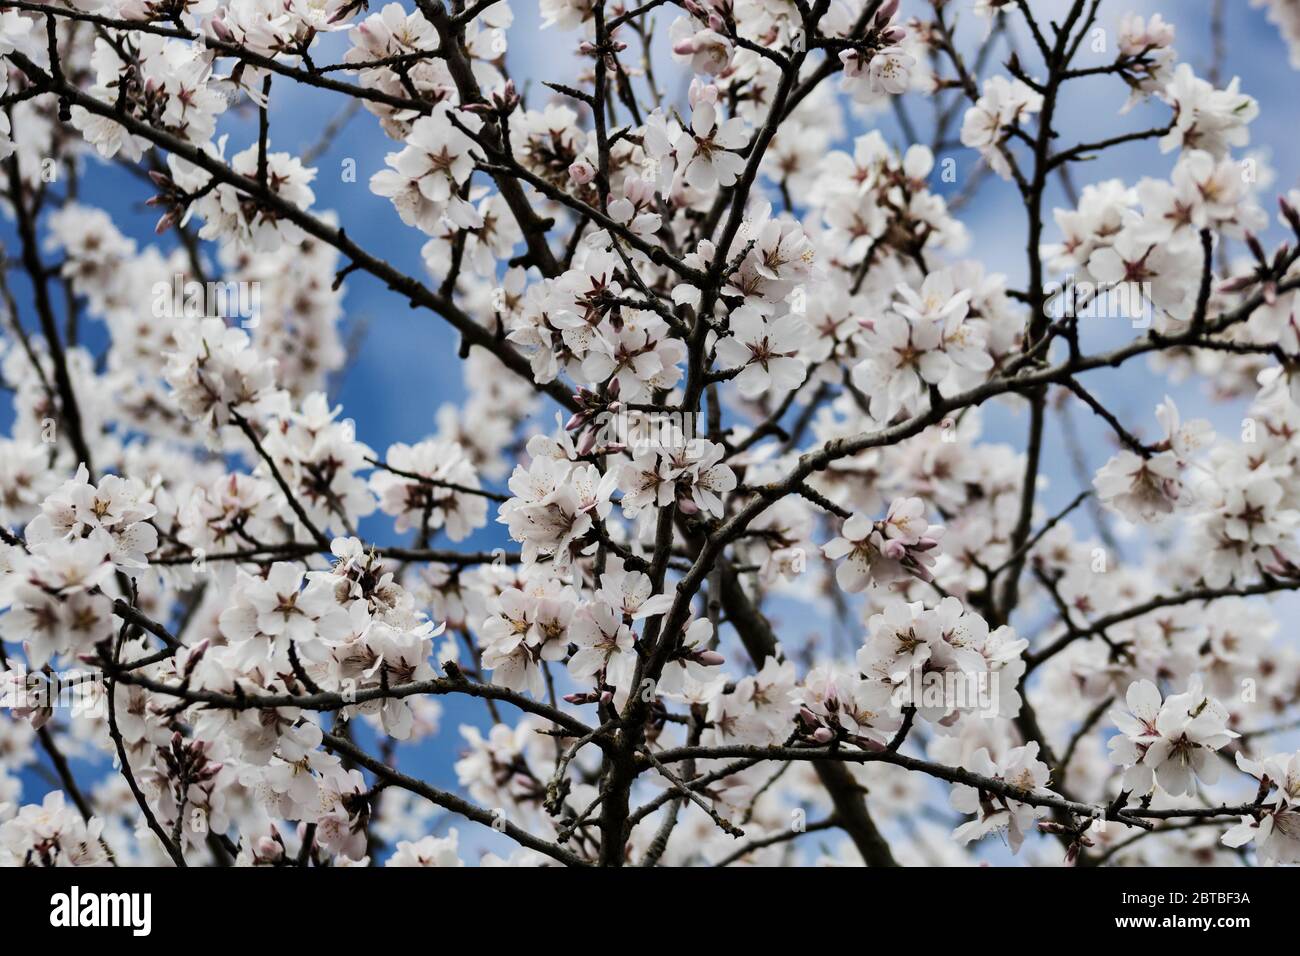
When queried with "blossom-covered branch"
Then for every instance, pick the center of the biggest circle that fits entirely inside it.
(726, 528)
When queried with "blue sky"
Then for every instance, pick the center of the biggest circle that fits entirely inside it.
(407, 365)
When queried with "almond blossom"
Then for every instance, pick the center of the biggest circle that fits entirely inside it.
(1170, 742)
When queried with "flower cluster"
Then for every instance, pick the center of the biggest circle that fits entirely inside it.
(1171, 742)
(879, 552)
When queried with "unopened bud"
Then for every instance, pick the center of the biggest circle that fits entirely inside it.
(222, 31)
(1238, 284)
(166, 221)
(581, 172)
(196, 655)
(1289, 213)
(1256, 248)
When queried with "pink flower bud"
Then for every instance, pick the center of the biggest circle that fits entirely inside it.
(822, 735)
(1256, 247)
(581, 172)
(1237, 284)
(709, 658)
(894, 549)
(1289, 213)
(684, 47)
(222, 31)
(167, 220)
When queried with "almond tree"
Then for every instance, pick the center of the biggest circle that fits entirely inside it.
(727, 361)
